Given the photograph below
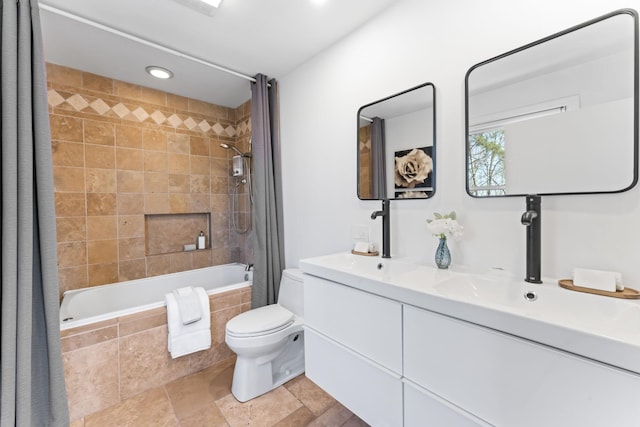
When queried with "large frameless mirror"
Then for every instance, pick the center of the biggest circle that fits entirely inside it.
(396, 146)
(557, 116)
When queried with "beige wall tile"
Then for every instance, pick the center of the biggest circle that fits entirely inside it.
(201, 258)
(102, 274)
(129, 159)
(220, 202)
(220, 167)
(156, 182)
(102, 227)
(178, 163)
(65, 128)
(155, 140)
(199, 202)
(199, 146)
(72, 254)
(180, 262)
(153, 96)
(100, 180)
(70, 204)
(100, 156)
(145, 362)
(89, 338)
(67, 179)
(71, 229)
(178, 143)
(179, 203)
(200, 165)
(179, 183)
(97, 83)
(102, 251)
(178, 102)
(97, 363)
(63, 76)
(130, 226)
(155, 161)
(158, 264)
(130, 203)
(72, 278)
(156, 203)
(67, 153)
(133, 248)
(130, 182)
(216, 151)
(219, 185)
(126, 90)
(132, 269)
(101, 204)
(101, 133)
(138, 322)
(200, 184)
(200, 107)
(128, 136)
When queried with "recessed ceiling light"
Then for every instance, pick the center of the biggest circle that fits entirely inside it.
(159, 72)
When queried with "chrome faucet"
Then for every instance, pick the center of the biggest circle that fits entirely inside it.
(386, 227)
(531, 219)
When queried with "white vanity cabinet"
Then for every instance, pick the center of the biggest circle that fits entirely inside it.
(509, 381)
(353, 349)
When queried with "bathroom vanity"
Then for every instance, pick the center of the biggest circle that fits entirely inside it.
(402, 344)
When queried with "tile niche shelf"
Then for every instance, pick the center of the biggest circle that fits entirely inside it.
(168, 233)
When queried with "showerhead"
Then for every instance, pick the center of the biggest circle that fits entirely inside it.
(234, 148)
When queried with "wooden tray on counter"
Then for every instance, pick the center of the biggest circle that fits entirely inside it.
(376, 253)
(627, 293)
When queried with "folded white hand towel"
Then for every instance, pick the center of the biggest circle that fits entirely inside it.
(185, 339)
(188, 305)
(596, 279)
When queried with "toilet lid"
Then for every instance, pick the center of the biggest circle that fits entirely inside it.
(260, 321)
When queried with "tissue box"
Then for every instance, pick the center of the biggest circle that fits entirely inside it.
(595, 279)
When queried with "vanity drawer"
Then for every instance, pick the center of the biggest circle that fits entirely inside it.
(422, 408)
(508, 381)
(366, 323)
(368, 390)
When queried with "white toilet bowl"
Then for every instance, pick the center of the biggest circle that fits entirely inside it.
(268, 341)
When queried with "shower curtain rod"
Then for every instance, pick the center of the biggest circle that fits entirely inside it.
(140, 40)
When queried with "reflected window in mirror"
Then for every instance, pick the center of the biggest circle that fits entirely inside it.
(557, 116)
(396, 146)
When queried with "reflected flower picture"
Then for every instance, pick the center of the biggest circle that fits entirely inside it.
(413, 169)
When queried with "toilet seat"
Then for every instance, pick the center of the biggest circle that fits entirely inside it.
(260, 321)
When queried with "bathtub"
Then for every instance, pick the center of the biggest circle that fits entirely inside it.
(89, 305)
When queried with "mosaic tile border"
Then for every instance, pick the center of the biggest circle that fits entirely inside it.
(139, 114)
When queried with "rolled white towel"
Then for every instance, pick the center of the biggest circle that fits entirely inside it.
(596, 279)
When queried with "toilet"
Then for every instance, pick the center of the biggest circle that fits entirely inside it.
(269, 341)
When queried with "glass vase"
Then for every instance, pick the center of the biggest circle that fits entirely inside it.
(443, 256)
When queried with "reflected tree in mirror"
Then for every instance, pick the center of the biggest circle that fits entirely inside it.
(557, 116)
(396, 146)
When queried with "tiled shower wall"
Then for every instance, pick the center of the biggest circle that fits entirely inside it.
(122, 151)
(364, 167)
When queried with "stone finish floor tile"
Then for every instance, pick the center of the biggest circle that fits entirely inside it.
(263, 411)
(204, 399)
(151, 408)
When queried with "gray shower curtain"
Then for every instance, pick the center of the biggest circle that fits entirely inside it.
(268, 229)
(378, 156)
(32, 390)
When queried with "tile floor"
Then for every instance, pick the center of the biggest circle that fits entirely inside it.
(205, 399)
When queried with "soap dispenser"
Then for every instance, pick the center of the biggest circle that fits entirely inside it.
(201, 241)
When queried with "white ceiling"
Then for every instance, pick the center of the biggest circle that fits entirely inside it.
(248, 36)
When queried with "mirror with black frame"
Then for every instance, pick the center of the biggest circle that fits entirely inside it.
(396, 146)
(557, 116)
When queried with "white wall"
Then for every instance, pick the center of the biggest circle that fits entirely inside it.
(436, 41)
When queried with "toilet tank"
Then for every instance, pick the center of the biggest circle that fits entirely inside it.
(291, 294)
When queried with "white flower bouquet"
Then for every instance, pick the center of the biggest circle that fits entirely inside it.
(445, 224)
